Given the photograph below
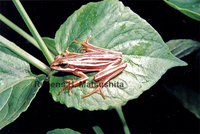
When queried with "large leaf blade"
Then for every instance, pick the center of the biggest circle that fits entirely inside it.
(116, 27)
(17, 88)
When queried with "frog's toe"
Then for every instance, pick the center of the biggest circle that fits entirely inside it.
(94, 91)
(83, 49)
(70, 93)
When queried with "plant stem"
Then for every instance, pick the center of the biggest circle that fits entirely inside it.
(19, 30)
(26, 35)
(97, 130)
(123, 120)
(29, 58)
(33, 30)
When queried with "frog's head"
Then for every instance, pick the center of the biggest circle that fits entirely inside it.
(61, 64)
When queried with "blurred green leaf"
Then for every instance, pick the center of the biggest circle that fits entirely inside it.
(191, 8)
(63, 131)
(182, 47)
(18, 86)
(115, 27)
(188, 98)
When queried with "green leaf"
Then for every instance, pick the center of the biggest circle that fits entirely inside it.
(18, 86)
(182, 47)
(63, 131)
(115, 27)
(50, 43)
(97, 130)
(187, 7)
(187, 97)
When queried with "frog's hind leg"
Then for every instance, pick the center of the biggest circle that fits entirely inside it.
(91, 48)
(104, 76)
(87, 46)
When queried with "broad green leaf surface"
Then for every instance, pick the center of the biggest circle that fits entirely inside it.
(182, 47)
(188, 98)
(50, 43)
(115, 27)
(18, 86)
(191, 8)
(63, 131)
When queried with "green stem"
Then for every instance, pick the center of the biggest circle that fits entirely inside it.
(29, 58)
(19, 30)
(33, 30)
(123, 120)
(97, 130)
(25, 35)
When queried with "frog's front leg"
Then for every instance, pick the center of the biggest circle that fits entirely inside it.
(104, 76)
(68, 53)
(65, 54)
(73, 83)
(91, 48)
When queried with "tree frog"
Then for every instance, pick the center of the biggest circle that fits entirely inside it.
(106, 62)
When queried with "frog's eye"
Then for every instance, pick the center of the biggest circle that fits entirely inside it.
(63, 65)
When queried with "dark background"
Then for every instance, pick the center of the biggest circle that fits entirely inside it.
(155, 111)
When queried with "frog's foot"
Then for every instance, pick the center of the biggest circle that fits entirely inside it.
(85, 43)
(83, 49)
(87, 46)
(68, 53)
(98, 89)
(69, 85)
(103, 77)
(69, 89)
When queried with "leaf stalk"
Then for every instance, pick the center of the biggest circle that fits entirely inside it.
(29, 58)
(123, 120)
(34, 31)
(19, 31)
(97, 130)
